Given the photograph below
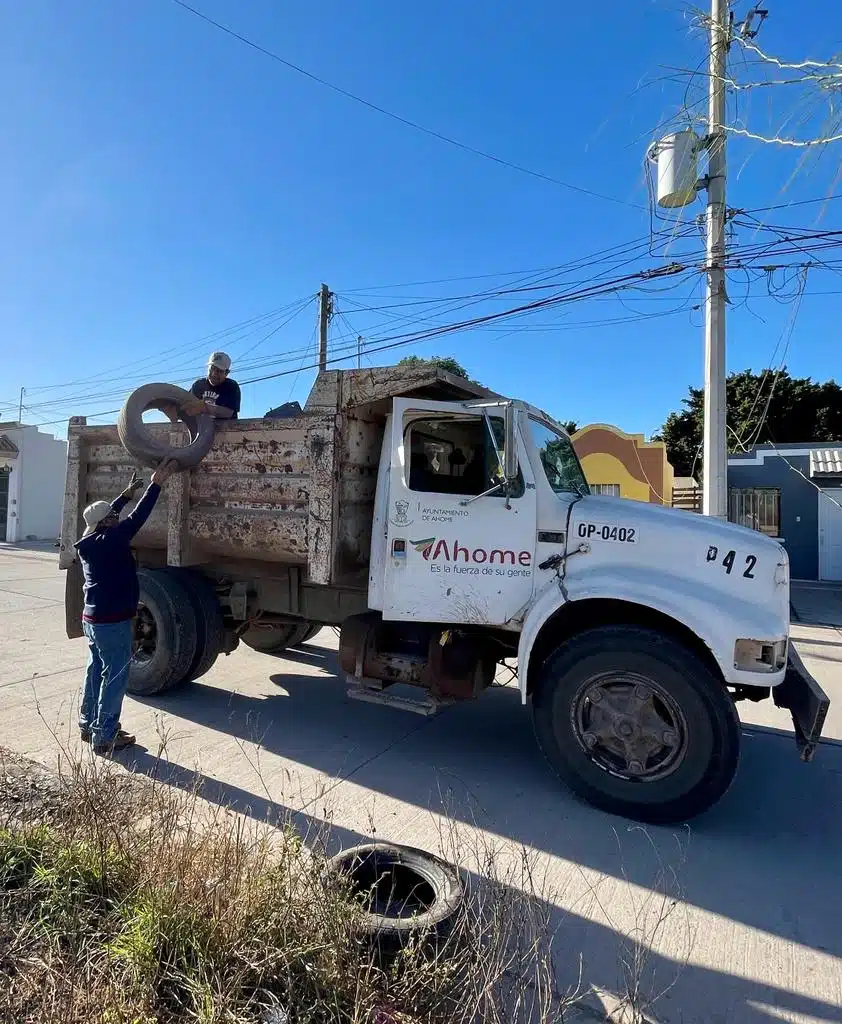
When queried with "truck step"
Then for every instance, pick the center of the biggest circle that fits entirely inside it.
(418, 707)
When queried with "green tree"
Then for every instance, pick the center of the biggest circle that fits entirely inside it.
(571, 426)
(761, 408)
(447, 363)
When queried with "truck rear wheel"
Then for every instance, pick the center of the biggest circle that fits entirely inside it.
(210, 624)
(636, 724)
(312, 629)
(165, 633)
(278, 637)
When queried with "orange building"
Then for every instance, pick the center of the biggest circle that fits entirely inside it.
(624, 465)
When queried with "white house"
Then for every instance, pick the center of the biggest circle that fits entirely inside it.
(32, 467)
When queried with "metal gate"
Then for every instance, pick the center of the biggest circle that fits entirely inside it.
(5, 473)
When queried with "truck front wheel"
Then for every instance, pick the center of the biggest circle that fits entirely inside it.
(636, 724)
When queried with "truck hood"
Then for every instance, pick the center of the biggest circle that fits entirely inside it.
(729, 579)
(655, 522)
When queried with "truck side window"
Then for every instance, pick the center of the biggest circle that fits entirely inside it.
(454, 455)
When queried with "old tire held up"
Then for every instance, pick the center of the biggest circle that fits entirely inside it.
(149, 450)
(403, 893)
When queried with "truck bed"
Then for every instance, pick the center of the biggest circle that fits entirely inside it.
(293, 492)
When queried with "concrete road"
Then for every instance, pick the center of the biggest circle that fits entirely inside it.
(749, 898)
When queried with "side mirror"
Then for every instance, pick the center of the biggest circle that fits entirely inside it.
(510, 466)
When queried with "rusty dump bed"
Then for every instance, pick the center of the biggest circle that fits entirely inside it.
(293, 492)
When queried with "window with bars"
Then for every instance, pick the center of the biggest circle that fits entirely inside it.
(758, 508)
(613, 490)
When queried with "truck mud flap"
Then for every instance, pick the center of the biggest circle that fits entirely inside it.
(807, 703)
(74, 601)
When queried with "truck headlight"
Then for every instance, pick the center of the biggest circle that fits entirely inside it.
(760, 655)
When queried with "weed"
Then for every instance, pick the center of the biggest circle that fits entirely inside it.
(140, 905)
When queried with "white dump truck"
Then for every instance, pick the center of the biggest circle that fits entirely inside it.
(445, 529)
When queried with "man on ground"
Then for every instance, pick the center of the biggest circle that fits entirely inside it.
(111, 596)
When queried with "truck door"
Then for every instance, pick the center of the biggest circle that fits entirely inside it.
(453, 552)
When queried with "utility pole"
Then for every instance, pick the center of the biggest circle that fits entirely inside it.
(325, 297)
(20, 405)
(359, 351)
(714, 439)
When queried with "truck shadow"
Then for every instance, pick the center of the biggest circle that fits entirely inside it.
(694, 993)
(766, 856)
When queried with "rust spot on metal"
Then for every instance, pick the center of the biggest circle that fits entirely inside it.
(317, 446)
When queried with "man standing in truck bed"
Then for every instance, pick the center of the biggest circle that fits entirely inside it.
(218, 395)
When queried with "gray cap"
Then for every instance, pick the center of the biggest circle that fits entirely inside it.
(220, 359)
(94, 514)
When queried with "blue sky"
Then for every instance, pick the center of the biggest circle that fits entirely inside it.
(162, 182)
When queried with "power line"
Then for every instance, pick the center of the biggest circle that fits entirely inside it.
(804, 476)
(230, 335)
(613, 262)
(786, 334)
(786, 206)
(299, 309)
(549, 302)
(449, 304)
(399, 117)
(579, 294)
(600, 255)
(611, 258)
(125, 379)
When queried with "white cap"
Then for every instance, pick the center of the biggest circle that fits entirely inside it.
(94, 514)
(220, 359)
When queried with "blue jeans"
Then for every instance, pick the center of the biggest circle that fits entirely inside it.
(106, 679)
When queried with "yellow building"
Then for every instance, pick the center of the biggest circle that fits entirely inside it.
(624, 465)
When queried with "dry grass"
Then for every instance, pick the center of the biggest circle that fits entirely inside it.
(134, 905)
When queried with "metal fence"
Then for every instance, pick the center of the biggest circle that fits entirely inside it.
(759, 508)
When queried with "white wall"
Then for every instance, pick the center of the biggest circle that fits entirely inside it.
(36, 485)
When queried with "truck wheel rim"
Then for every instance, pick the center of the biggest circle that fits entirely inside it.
(145, 636)
(630, 726)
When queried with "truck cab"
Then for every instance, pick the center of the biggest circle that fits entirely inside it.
(635, 627)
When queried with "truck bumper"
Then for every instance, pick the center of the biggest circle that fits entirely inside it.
(807, 703)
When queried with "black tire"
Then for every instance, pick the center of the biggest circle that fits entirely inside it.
(312, 629)
(277, 638)
(210, 623)
(403, 892)
(165, 634)
(149, 450)
(701, 737)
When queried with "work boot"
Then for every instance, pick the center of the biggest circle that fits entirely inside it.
(120, 740)
(87, 735)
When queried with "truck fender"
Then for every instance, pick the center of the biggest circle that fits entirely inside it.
(705, 612)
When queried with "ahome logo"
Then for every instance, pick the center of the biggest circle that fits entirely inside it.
(434, 550)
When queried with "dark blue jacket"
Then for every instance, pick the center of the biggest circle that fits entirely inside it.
(111, 589)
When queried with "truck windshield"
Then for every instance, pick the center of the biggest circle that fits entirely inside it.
(560, 462)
